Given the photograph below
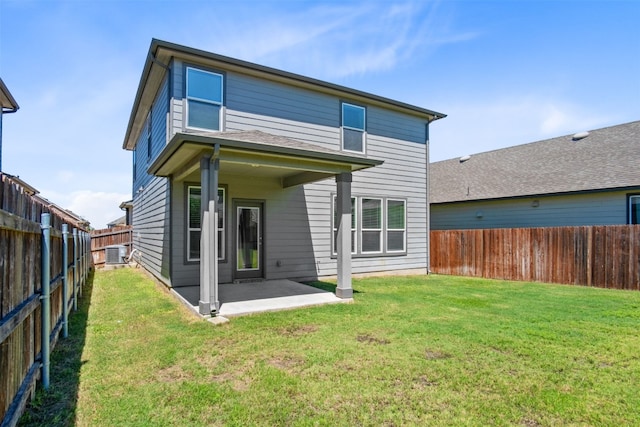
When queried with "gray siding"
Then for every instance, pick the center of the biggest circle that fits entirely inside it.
(151, 194)
(151, 227)
(602, 208)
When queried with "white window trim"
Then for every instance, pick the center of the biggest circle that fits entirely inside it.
(379, 230)
(206, 101)
(388, 229)
(221, 238)
(363, 130)
(630, 213)
(358, 252)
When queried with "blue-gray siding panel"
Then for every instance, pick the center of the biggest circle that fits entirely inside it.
(606, 208)
(151, 227)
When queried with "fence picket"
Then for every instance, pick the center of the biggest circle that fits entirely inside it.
(21, 275)
(599, 256)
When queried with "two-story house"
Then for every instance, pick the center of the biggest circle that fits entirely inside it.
(245, 172)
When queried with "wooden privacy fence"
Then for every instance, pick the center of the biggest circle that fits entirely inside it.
(100, 239)
(599, 256)
(43, 266)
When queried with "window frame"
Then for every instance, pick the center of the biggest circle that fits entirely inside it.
(389, 229)
(630, 198)
(222, 227)
(149, 134)
(343, 127)
(357, 232)
(188, 98)
(372, 230)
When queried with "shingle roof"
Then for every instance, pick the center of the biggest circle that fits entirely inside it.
(606, 159)
(6, 99)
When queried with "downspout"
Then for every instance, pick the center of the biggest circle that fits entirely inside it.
(427, 192)
(428, 225)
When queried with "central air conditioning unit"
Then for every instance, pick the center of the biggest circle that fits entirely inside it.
(115, 254)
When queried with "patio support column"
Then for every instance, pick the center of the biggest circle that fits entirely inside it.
(204, 305)
(213, 226)
(343, 243)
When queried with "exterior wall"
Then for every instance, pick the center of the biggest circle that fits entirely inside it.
(151, 195)
(602, 208)
(298, 220)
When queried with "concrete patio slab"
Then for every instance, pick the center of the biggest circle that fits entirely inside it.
(238, 299)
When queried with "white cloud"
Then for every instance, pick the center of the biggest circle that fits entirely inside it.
(508, 121)
(98, 207)
(338, 41)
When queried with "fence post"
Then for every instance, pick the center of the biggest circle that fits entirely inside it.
(81, 278)
(46, 302)
(65, 280)
(75, 269)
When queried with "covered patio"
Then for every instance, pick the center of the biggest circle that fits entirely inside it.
(237, 299)
(260, 155)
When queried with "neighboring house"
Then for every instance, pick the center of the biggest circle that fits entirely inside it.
(71, 218)
(590, 178)
(120, 222)
(7, 105)
(282, 161)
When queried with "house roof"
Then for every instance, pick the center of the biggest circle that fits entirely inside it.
(120, 221)
(256, 153)
(607, 158)
(161, 52)
(7, 102)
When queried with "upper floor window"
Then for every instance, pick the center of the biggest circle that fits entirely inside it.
(204, 99)
(634, 209)
(353, 128)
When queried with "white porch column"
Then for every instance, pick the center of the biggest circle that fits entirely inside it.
(204, 306)
(343, 242)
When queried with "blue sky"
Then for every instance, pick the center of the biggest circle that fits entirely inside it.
(505, 72)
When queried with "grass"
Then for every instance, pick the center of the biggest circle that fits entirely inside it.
(415, 350)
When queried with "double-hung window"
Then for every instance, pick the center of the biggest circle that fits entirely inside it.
(378, 226)
(634, 209)
(204, 99)
(353, 128)
(396, 225)
(371, 225)
(194, 226)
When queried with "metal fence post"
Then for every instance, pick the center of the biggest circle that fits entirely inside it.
(46, 302)
(65, 280)
(75, 269)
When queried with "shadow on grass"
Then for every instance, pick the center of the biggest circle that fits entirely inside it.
(327, 286)
(57, 406)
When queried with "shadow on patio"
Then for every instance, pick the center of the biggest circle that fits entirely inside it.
(255, 297)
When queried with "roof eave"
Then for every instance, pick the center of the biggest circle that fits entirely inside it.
(7, 100)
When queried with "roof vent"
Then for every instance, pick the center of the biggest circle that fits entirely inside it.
(464, 158)
(580, 135)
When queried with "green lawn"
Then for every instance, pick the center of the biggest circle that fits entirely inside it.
(415, 350)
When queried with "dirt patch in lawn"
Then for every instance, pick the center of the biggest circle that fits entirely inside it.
(368, 339)
(435, 355)
(298, 330)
